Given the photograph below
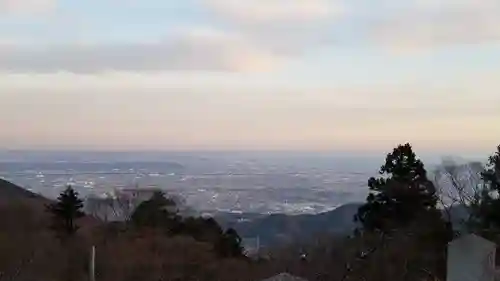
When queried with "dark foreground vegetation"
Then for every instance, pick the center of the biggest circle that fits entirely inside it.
(403, 229)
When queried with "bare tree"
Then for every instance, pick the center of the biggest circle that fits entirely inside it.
(459, 186)
(124, 205)
(113, 207)
(121, 203)
(97, 207)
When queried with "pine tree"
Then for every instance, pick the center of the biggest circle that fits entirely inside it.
(491, 175)
(229, 244)
(65, 212)
(401, 195)
(157, 212)
(486, 211)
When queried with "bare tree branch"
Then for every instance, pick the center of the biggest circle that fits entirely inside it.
(458, 185)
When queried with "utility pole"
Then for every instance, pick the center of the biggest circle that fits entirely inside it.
(258, 244)
(92, 264)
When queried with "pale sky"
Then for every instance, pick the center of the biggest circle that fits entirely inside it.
(250, 74)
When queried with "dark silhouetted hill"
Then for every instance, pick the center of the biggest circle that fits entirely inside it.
(29, 250)
(282, 228)
(10, 192)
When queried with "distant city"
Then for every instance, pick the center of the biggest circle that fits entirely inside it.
(229, 182)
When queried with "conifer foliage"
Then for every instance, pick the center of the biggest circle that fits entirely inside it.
(486, 212)
(159, 211)
(230, 244)
(65, 212)
(401, 195)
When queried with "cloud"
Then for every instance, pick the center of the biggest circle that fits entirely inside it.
(185, 49)
(266, 28)
(273, 11)
(26, 7)
(433, 23)
(470, 94)
(295, 27)
(289, 27)
(169, 110)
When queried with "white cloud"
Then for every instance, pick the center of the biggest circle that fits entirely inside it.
(265, 28)
(432, 23)
(26, 7)
(297, 26)
(449, 5)
(272, 11)
(186, 49)
(289, 27)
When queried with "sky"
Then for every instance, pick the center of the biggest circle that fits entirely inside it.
(356, 75)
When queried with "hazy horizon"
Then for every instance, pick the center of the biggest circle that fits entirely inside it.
(375, 158)
(475, 154)
(250, 75)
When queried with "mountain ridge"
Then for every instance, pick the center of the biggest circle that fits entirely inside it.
(283, 228)
(277, 229)
(10, 192)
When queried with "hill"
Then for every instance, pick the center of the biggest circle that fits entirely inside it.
(277, 229)
(29, 250)
(10, 192)
(282, 228)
